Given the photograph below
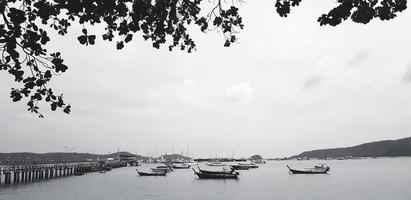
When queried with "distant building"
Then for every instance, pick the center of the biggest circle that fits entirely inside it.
(127, 158)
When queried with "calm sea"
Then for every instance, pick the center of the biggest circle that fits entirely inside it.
(367, 179)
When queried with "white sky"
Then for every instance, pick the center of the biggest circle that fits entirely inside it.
(289, 85)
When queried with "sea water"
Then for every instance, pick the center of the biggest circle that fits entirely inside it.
(364, 179)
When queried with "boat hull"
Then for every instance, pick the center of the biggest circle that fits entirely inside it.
(217, 172)
(216, 164)
(216, 176)
(240, 167)
(323, 171)
(185, 166)
(151, 173)
(161, 170)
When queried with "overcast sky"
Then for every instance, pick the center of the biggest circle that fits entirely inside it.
(288, 86)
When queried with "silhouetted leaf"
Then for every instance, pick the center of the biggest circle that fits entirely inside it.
(67, 109)
(128, 38)
(120, 45)
(53, 106)
(91, 39)
(15, 95)
(30, 85)
(82, 39)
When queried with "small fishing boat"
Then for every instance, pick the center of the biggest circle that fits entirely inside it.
(191, 163)
(181, 166)
(315, 170)
(216, 164)
(259, 161)
(240, 167)
(202, 175)
(107, 168)
(151, 173)
(224, 171)
(162, 168)
(320, 166)
(249, 165)
(79, 174)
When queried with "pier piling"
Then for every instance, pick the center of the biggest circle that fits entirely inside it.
(23, 172)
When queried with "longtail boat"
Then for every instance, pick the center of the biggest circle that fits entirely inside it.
(181, 166)
(231, 171)
(214, 175)
(249, 165)
(316, 170)
(151, 173)
(216, 164)
(162, 168)
(240, 167)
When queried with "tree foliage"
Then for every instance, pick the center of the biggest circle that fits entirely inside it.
(23, 34)
(360, 11)
(24, 25)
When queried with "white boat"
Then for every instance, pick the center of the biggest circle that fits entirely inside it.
(181, 166)
(259, 161)
(321, 167)
(216, 164)
(191, 163)
(162, 168)
(249, 165)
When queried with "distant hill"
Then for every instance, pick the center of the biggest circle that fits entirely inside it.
(256, 157)
(59, 156)
(385, 148)
(175, 157)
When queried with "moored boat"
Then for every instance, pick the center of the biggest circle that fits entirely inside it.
(315, 170)
(106, 168)
(240, 167)
(224, 171)
(79, 174)
(216, 164)
(320, 166)
(151, 173)
(259, 161)
(181, 166)
(162, 168)
(191, 163)
(225, 175)
(249, 165)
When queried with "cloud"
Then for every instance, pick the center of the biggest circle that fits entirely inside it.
(358, 58)
(242, 92)
(153, 95)
(407, 75)
(190, 92)
(312, 81)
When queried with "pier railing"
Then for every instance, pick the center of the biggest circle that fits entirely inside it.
(23, 172)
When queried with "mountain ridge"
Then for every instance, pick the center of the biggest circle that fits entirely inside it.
(59, 156)
(383, 148)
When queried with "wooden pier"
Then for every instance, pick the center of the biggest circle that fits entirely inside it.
(18, 173)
